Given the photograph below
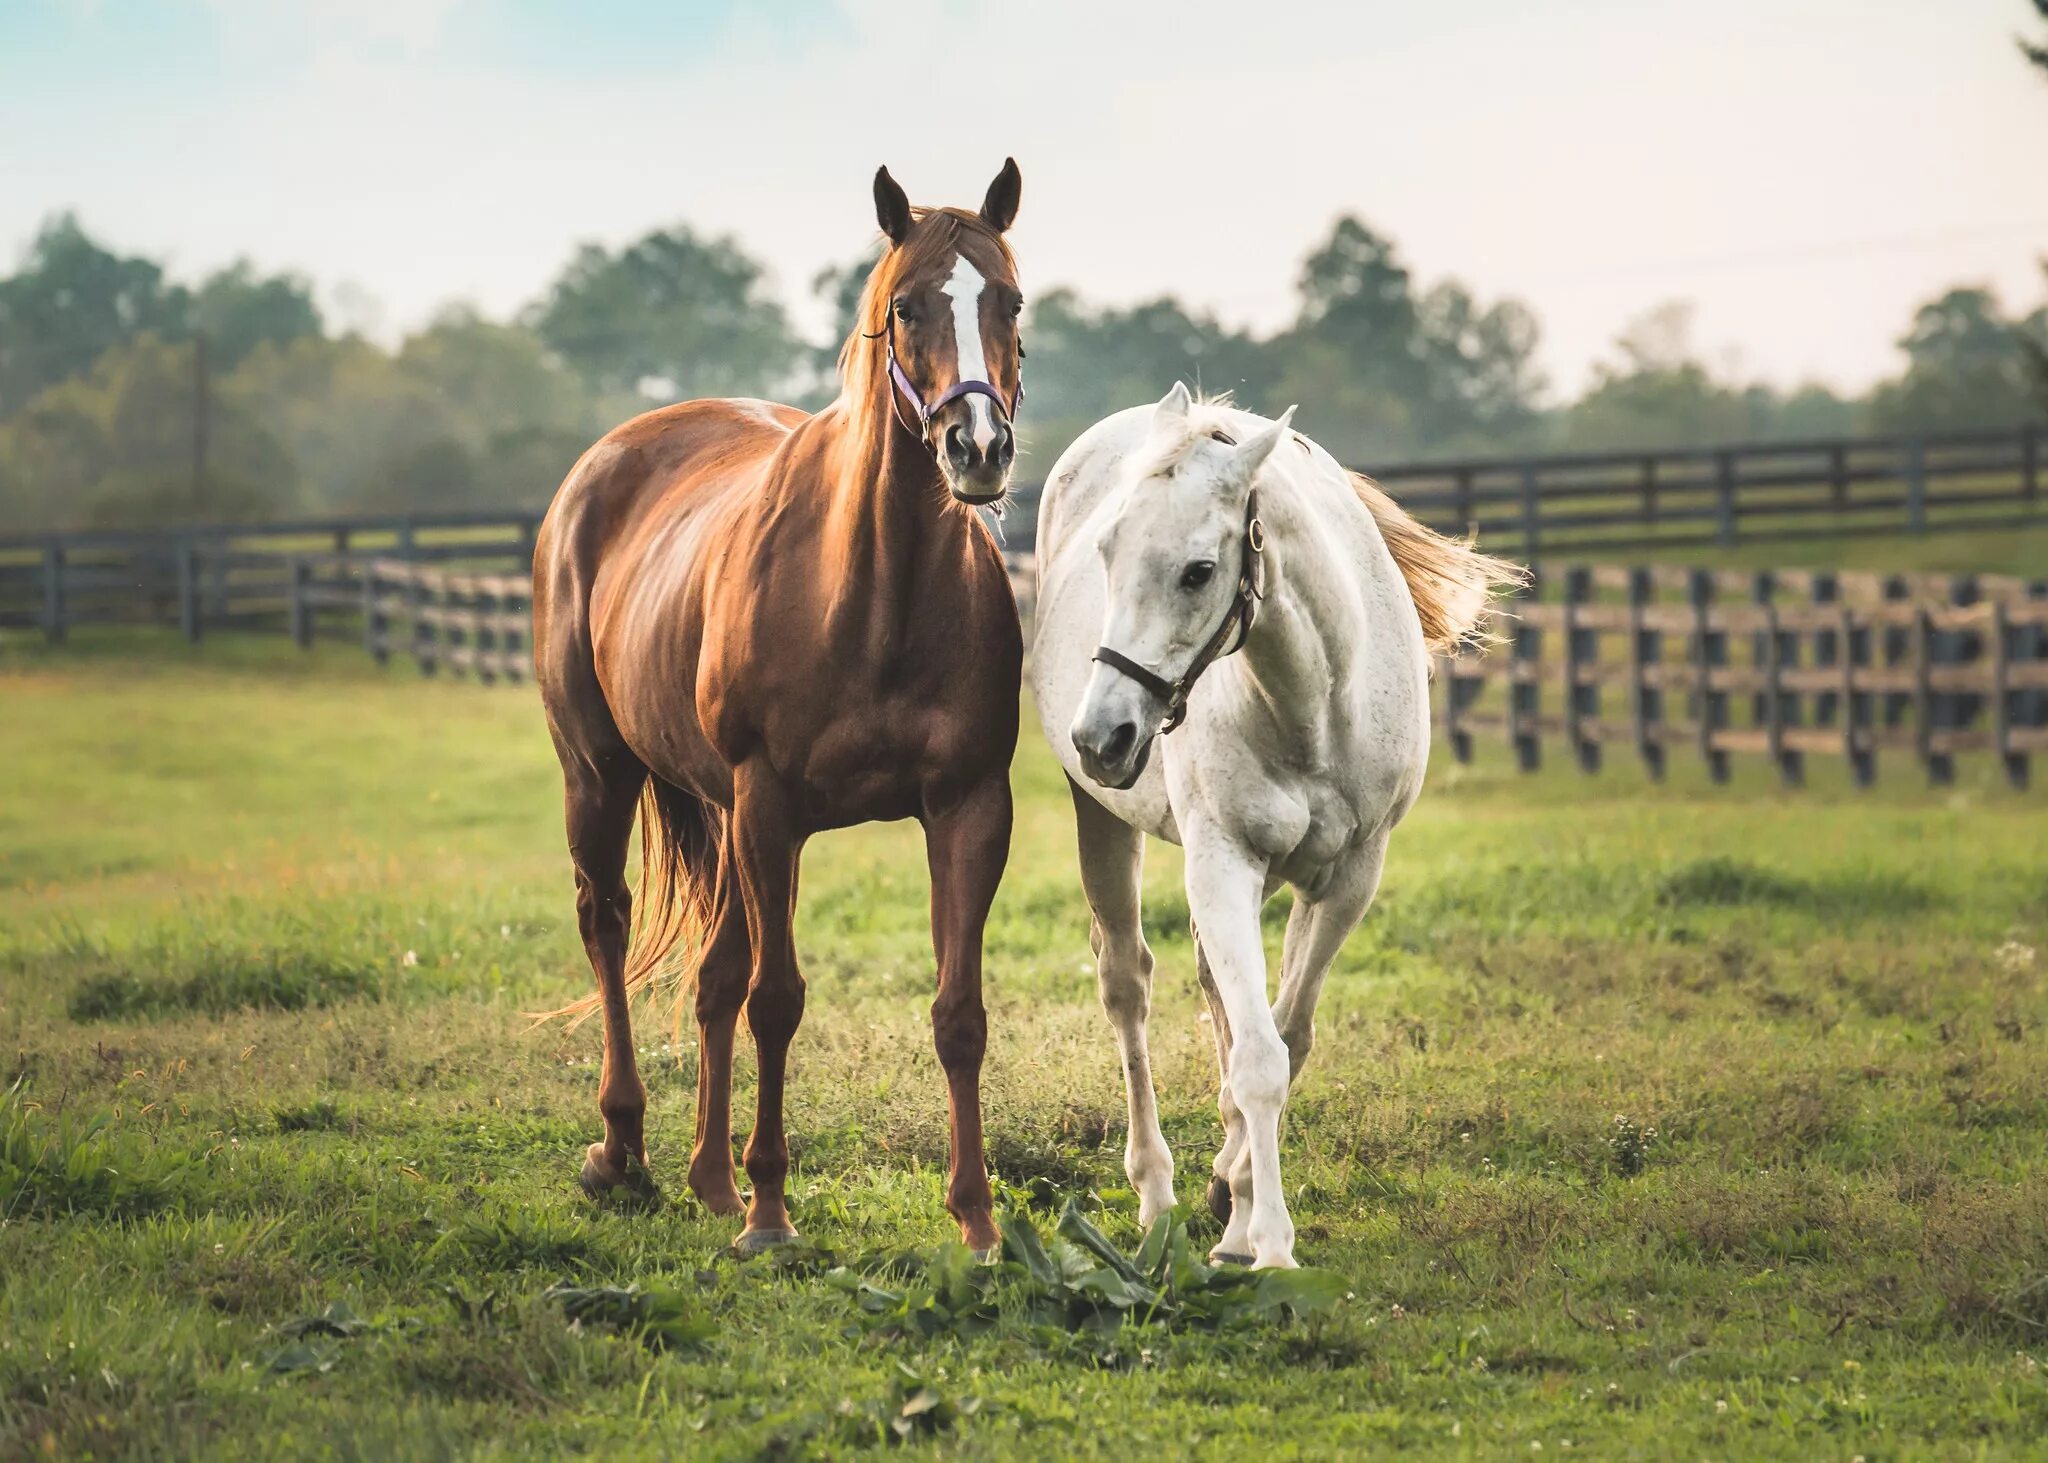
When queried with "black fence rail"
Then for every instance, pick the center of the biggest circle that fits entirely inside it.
(1720, 497)
(233, 575)
(1779, 664)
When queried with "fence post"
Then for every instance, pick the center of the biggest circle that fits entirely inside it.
(1710, 652)
(301, 612)
(53, 591)
(1916, 485)
(373, 616)
(1856, 718)
(2014, 763)
(1896, 640)
(1645, 649)
(1923, 699)
(1532, 513)
(1525, 667)
(190, 619)
(2030, 465)
(1827, 646)
(1724, 499)
(1838, 476)
(1581, 661)
(1649, 492)
(2030, 708)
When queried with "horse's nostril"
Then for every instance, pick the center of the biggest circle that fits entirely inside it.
(958, 448)
(1119, 743)
(1005, 447)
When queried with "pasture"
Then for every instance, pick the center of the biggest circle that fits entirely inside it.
(1643, 1121)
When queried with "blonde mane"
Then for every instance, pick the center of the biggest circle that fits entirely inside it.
(864, 386)
(1452, 583)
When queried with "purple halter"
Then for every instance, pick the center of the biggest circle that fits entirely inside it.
(908, 388)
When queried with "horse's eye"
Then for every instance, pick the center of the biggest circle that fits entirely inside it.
(1017, 310)
(1197, 574)
(905, 312)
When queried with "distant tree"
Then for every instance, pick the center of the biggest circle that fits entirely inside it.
(673, 314)
(2037, 54)
(1479, 366)
(113, 448)
(1084, 362)
(1655, 392)
(1358, 298)
(1967, 366)
(239, 310)
(1386, 370)
(69, 303)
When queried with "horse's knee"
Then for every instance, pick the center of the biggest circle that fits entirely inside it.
(1259, 1072)
(1300, 1038)
(775, 1007)
(602, 908)
(1124, 982)
(959, 1032)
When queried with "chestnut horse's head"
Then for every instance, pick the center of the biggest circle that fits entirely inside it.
(939, 327)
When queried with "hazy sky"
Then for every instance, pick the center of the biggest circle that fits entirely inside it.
(1806, 170)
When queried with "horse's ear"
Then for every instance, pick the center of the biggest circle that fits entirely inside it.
(999, 208)
(892, 207)
(1259, 446)
(1172, 412)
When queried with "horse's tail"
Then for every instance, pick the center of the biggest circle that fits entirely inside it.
(682, 862)
(1452, 583)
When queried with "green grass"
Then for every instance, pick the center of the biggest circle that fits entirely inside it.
(1669, 1122)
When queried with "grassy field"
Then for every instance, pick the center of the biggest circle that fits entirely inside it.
(1643, 1122)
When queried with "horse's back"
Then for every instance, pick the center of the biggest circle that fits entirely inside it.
(668, 471)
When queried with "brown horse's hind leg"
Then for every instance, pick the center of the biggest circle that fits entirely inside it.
(765, 852)
(721, 991)
(600, 815)
(967, 846)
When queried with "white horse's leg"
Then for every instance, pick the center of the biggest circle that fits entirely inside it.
(1226, 1105)
(1224, 889)
(1315, 933)
(1112, 857)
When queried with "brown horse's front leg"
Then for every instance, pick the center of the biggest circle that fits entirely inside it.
(967, 845)
(766, 847)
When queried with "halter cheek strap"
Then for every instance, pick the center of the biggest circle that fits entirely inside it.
(1227, 639)
(909, 392)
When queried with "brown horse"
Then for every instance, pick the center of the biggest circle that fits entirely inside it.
(756, 624)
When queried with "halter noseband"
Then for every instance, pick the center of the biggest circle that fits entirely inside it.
(908, 388)
(1237, 621)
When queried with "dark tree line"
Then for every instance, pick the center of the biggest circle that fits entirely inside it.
(100, 389)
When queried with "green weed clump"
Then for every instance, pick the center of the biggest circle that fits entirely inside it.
(214, 984)
(54, 1167)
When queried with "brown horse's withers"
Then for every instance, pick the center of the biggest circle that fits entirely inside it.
(754, 624)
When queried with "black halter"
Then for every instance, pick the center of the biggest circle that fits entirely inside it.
(1229, 636)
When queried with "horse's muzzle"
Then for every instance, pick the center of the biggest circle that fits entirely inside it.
(1114, 757)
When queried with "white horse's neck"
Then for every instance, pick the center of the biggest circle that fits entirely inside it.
(1321, 577)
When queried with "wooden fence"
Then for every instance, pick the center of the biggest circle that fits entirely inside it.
(1599, 504)
(1778, 664)
(1781, 664)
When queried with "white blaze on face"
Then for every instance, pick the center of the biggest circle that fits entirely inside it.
(964, 289)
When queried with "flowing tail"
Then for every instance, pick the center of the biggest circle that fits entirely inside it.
(682, 873)
(1452, 583)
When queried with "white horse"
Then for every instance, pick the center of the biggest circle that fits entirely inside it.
(1203, 569)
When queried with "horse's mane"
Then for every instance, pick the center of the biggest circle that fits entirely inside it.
(1452, 583)
(864, 385)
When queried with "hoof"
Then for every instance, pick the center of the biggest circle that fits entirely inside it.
(725, 1203)
(987, 1256)
(1219, 1199)
(1225, 1257)
(601, 1177)
(757, 1241)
